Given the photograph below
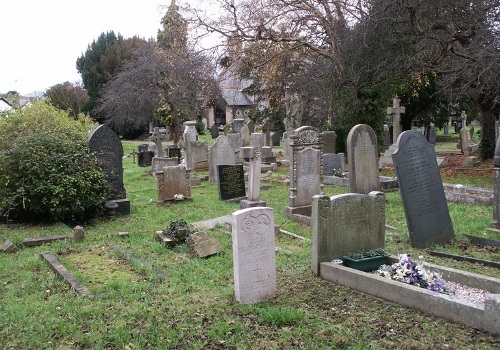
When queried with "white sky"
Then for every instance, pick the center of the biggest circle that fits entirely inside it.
(40, 40)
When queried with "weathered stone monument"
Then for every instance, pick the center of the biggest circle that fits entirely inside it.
(363, 159)
(421, 190)
(109, 152)
(330, 140)
(157, 137)
(395, 111)
(306, 172)
(173, 184)
(346, 223)
(221, 153)
(333, 164)
(159, 161)
(254, 155)
(254, 261)
(237, 125)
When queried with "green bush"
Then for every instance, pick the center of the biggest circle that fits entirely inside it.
(48, 171)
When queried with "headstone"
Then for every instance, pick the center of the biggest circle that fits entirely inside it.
(142, 148)
(190, 133)
(214, 131)
(236, 141)
(305, 169)
(330, 140)
(362, 159)
(226, 129)
(395, 111)
(275, 139)
(254, 155)
(266, 130)
(157, 138)
(145, 159)
(421, 190)
(199, 151)
(231, 182)
(346, 223)
(78, 233)
(387, 136)
(237, 124)
(254, 259)
(245, 135)
(9, 247)
(203, 245)
(109, 151)
(432, 135)
(174, 151)
(251, 126)
(471, 132)
(173, 184)
(464, 142)
(221, 153)
(333, 163)
(446, 129)
(159, 163)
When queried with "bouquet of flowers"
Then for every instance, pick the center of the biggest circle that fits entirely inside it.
(413, 272)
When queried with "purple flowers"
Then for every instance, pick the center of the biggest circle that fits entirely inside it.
(413, 272)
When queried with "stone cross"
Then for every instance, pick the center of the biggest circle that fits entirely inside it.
(396, 110)
(157, 138)
(254, 155)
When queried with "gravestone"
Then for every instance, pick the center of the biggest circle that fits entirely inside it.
(159, 163)
(387, 136)
(109, 152)
(266, 130)
(245, 135)
(254, 258)
(363, 159)
(145, 159)
(464, 142)
(221, 153)
(143, 148)
(432, 135)
(173, 184)
(237, 124)
(330, 140)
(305, 170)
(231, 182)
(254, 155)
(226, 129)
(157, 138)
(174, 151)
(421, 190)
(251, 126)
(333, 163)
(471, 132)
(395, 111)
(199, 151)
(275, 139)
(203, 245)
(214, 131)
(346, 223)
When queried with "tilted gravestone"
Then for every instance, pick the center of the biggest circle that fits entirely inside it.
(346, 223)
(109, 152)
(362, 159)
(231, 182)
(306, 177)
(421, 190)
(254, 261)
(221, 153)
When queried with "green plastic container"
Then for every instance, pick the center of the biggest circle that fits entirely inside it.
(366, 264)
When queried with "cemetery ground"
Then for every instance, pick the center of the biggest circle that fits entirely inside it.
(191, 305)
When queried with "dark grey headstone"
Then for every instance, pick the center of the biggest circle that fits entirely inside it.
(214, 131)
(143, 148)
(421, 190)
(145, 158)
(231, 182)
(174, 152)
(432, 135)
(275, 139)
(333, 163)
(330, 140)
(109, 151)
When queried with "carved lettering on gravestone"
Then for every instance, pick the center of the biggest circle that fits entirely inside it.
(254, 261)
(109, 151)
(231, 182)
(421, 190)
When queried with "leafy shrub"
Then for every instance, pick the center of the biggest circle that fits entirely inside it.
(178, 231)
(48, 171)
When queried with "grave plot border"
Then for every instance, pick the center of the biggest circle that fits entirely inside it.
(486, 318)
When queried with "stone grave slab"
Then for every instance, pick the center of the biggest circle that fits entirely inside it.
(421, 190)
(254, 260)
(37, 241)
(59, 268)
(231, 182)
(221, 153)
(203, 245)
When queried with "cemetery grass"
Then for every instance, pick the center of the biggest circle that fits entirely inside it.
(193, 307)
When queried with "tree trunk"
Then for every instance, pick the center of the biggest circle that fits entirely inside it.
(488, 139)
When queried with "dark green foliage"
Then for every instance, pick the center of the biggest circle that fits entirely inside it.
(48, 172)
(200, 127)
(178, 231)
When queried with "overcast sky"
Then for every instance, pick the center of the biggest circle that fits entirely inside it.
(40, 40)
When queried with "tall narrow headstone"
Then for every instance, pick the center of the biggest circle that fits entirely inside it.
(421, 190)
(254, 155)
(109, 152)
(362, 159)
(306, 170)
(157, 138)
(221, 153)
(346, 223)
(254, 261)
(330, 140)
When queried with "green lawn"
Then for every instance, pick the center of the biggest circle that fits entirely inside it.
(194, 308)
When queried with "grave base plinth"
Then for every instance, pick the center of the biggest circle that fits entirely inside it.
(246, 203)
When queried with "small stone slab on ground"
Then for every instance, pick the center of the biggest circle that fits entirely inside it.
(9, 247)
(465, 258)
(160, 235)
(57, 267)
(36, 241)
(203, 245)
